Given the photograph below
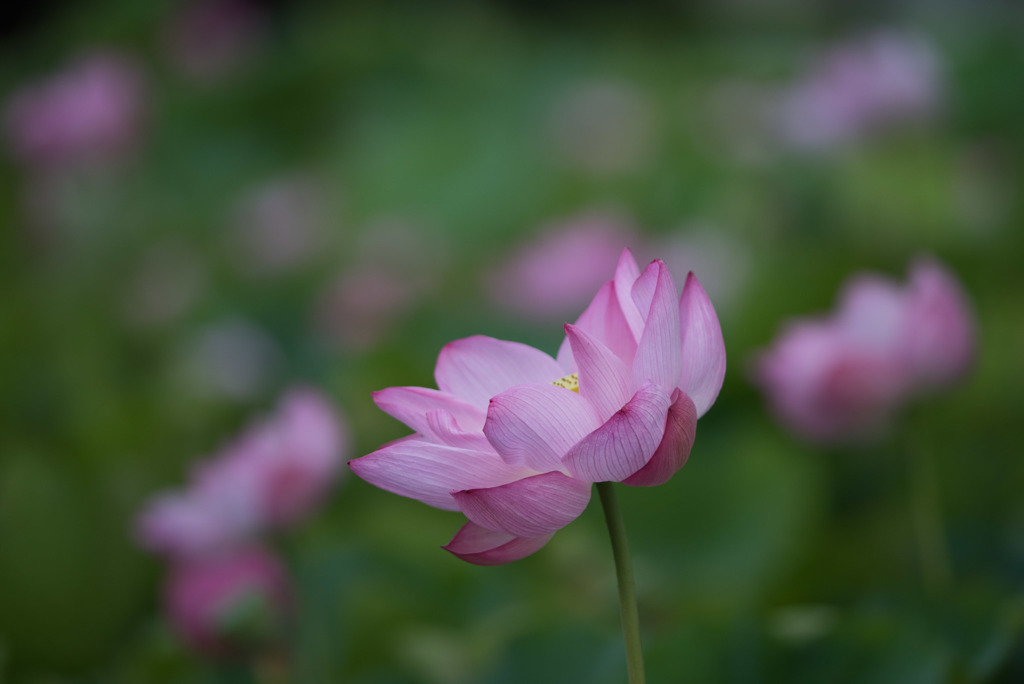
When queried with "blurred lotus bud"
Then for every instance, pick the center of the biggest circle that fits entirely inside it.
(556, 274)
(230, 605)
(842, 378)
(89, 113)
(208, 39)
(857, 87)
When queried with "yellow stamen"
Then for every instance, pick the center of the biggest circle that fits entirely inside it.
(569, 382)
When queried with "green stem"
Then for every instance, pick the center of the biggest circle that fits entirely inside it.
(930, 532)
(627, 591)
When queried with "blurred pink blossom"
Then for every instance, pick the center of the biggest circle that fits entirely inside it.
(208, 39)
(395, 264)
(552, 276)
(292, 459)
(229, 605)
(274, 475)
(90, 112)
(280, 226)
(859, 86)
(514, 438)
(843, 377)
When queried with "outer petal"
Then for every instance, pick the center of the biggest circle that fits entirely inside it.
(626, 275)
(430, 472)
(531, 507)
(671, 455)
(604, 378)
(535, 425)
(625, 443)
(605, 320)
(657, 356)
(478, 368)
(703, 357)
(481, 546)
(411, 405)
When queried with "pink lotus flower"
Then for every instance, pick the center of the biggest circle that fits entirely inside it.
(90, 112)
(514, 438)
(228, 605)
(273, 476)
(842, 377)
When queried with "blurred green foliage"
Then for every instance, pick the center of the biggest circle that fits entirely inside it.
(763, 560)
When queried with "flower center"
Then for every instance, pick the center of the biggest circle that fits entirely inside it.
(569, 382)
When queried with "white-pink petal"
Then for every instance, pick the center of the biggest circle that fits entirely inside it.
(430, 472)
(605, 320)
(603, 377)
(443, 428)
(411, 405)
(535, 425)
(626, 274)
(479, 367)
(703, 357)
(657, 356)
(626, 442)
(531, 507)
(481, 546)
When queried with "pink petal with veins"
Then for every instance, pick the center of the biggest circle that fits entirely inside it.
(481, 546)
(531, 507)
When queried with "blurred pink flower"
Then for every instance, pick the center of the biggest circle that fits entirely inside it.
(292, 459)
(229, 605)
(208, 39)
(273, 476)
(554, 275)
(394, 265)
(842, 377)
(280, 225)
(91, 112)
(514, 438)
(859, 86)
